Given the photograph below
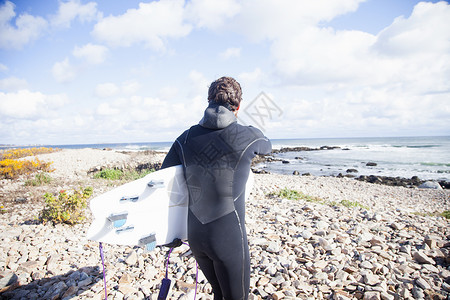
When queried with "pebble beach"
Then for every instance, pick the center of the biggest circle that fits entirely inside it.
(343, 239)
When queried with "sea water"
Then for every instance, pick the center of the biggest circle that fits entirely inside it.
(425, 157)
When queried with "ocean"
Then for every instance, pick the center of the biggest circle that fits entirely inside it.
(425, 157)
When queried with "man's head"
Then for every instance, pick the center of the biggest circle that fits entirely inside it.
(226, 91)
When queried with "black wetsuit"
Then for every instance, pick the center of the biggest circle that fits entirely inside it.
(216, 156)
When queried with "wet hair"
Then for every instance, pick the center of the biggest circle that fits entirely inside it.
(225, 91)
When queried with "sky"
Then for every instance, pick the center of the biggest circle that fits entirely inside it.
(112, 71)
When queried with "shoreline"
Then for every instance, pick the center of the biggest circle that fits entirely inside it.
(390, 242)
(413, 182)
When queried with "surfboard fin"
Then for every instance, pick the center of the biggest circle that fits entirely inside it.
(126, 229)
(156, 184)
(118, 219)
(148, 242)
(129, 198)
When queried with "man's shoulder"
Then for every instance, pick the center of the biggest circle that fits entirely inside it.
(249, 130)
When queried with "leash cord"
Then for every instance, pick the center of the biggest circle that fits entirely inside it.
(103, 264)
(100, 246)
(196, 270)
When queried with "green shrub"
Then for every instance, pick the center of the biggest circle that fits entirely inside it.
(39, 179)
(127, 175)
(295, 195)
(111, 174)
(446, 214)
(348, 203)
(66, 207)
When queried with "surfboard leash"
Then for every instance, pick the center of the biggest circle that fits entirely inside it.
(165, 284)
(100, 246)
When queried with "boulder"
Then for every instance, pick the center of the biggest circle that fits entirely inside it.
(430, 185)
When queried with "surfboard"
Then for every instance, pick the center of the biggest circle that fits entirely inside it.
(148, 212)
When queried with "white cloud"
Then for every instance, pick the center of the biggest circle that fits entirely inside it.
(320, 55)
(29, 105)
(3, 68)
(424, 32)
(130, 87)
(93, 54)
(199, 84)
(13, 84)
(253, 76)
(168, 92)
(71, 10)
(63, 71)
(151, 24)
(267, 19)
(106, 90)
(230, 53)
(211, 14)
(109, 89)
(413, 53)
(105, 109)
(26, 28)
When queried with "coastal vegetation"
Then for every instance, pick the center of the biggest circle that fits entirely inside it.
(296, 195)
(124, 175)
(13, 165)
(66, 207)
(39, 180)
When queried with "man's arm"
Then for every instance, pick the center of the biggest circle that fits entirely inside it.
(172, 158)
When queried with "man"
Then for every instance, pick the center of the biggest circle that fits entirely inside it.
(216, 155)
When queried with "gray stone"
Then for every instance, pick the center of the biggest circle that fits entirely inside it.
(430, 185)
(422, 258)
(7, 279)
(371, 295)
(422, 283)
(132, 258)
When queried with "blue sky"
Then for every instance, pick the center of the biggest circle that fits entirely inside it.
(131, 71)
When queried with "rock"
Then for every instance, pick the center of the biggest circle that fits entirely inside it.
(418, 293)
(127, 289)
(422, 258)
(70, 292)
(371, 295)
(371, 279)
(398, 225)
(126, 278)
(371, 164)
(351, 171)
(278, 295)
(8, 280)
(431, 241)
(341, 295)
(132, 258)
(430, 185)
(273, 247)
(422, 283)
(306, 234)
(56, 290)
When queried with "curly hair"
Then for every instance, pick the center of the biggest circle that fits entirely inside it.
(226, 91)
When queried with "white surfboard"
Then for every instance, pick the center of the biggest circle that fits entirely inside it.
(147, 212)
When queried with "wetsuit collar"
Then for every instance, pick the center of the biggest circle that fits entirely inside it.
(217, 117)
